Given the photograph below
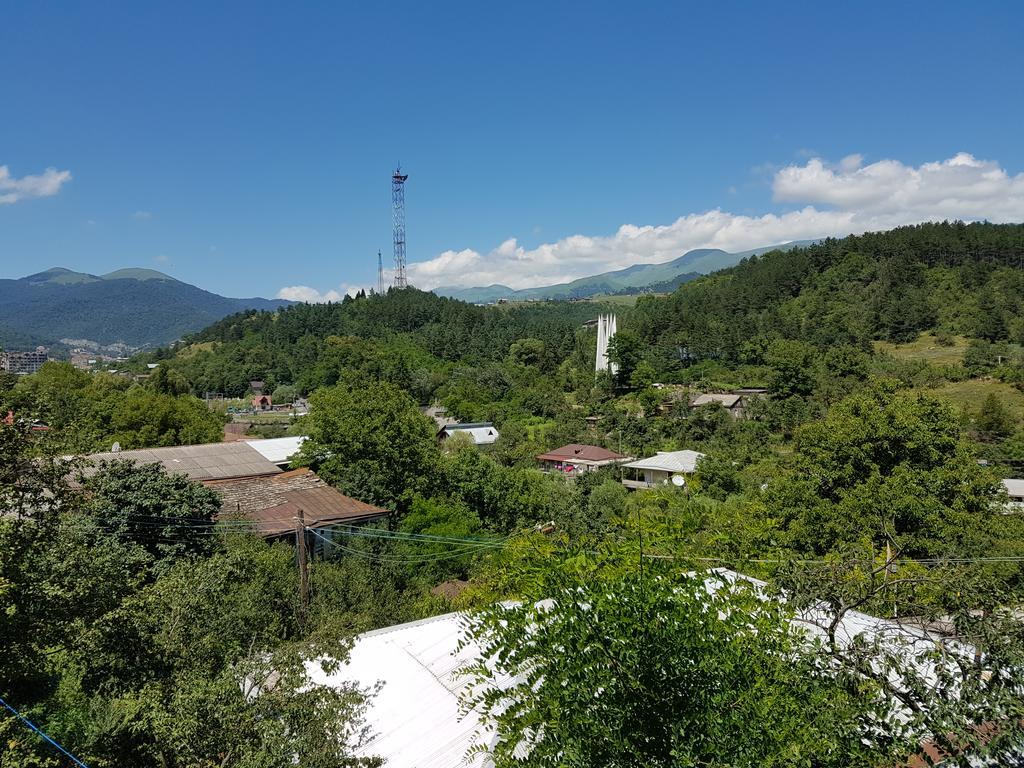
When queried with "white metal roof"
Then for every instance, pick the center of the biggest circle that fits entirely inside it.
(482, 434)
(277, 449)
(415, 717)
(669, 461)
(1014, 487)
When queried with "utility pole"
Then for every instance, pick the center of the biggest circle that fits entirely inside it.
(380, 275)
(300, 557)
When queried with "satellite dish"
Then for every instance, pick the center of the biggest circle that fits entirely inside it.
(678, 481)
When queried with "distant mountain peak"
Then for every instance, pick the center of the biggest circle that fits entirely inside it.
(137, 273)
(60, 276)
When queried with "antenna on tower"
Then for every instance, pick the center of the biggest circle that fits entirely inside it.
(398, 216)
(380, 275)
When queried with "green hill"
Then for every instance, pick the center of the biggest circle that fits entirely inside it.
(953, 278)
(138, 307)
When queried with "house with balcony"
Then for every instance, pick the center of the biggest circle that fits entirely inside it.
(574, 459)
(664, 467)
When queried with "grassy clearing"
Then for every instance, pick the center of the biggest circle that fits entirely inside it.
(972, 392)
(926, 348)
(193, 349)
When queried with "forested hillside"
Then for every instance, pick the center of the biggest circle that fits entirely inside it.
(409, 336)
(953, 278)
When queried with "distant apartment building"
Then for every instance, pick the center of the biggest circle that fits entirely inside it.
(23, 362)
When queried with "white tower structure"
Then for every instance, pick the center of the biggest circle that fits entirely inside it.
(605, 330)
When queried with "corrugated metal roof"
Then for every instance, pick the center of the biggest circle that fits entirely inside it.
(278, 449)
(415, 718)
(273, 502)
(482, 433)
(726, 400)
(212, 461)
(669, 461)
(1014, 487)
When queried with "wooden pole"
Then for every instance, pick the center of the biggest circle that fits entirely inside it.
(301, 559)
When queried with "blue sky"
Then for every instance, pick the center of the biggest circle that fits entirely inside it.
(247, 147)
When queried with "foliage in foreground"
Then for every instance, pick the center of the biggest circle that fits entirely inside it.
(616, 666)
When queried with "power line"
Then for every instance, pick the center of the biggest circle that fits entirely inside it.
(42, 734)
(425, 558)
(221, 527)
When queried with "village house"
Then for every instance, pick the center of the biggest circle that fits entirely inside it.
(1015, 490)
(262, 403)
(672, 467)
(481, 433)
(250, 479)
(439, 414)
(574, 459)
(732, 402)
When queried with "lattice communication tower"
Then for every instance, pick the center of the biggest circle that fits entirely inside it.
(398, 216)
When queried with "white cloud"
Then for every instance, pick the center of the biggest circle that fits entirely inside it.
(313, 296)
(162, 258)
(143, 215)
(845, 198)
(44, 184)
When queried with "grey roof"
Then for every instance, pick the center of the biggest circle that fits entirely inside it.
(1014, 487)
(669, 461)
(713, 397)
(215, 461)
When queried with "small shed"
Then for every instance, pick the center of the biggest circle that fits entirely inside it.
(732, 402)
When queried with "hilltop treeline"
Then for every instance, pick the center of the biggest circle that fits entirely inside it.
(398, 336)
(953, 278)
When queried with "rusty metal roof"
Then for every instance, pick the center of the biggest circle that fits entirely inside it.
(273, 502)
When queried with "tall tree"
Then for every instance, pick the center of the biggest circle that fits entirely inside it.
(371, 442)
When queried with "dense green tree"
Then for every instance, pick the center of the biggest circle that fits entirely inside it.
(661, 669)
(168, 515)
(196, 669)
(792, 368)
(371, 442)
(994, 419)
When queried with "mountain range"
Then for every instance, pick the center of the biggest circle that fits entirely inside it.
(639, 278)
(134, 308)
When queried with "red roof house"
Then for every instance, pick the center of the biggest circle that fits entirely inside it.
(580, 458)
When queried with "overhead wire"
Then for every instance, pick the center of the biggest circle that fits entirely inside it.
(155, 527)
(42, 734)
